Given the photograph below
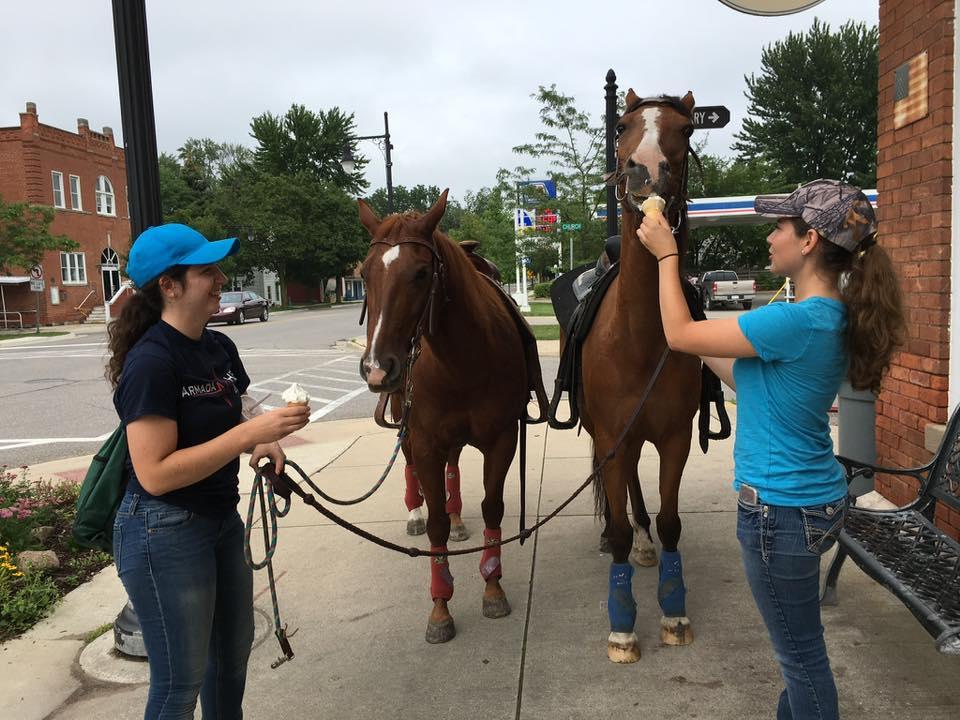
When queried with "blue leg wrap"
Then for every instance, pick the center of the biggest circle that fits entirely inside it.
(671, 594)
(620, 603)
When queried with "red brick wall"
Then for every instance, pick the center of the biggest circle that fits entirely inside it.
(28, 155)
(914, 180)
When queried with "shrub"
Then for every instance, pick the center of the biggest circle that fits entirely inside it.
(542, 290)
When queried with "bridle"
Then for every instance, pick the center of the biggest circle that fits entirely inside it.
(428, 314)
(619, 177)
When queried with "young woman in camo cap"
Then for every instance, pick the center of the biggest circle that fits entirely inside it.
(786, 362)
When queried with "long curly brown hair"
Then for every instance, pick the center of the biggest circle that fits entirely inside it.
(139, 314)
(871, 291)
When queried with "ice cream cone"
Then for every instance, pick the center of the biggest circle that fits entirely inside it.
(653, 205)
(295, 396)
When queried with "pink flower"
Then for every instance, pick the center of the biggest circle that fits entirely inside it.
(6, 513)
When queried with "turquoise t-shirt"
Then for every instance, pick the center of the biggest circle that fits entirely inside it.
(783, 446)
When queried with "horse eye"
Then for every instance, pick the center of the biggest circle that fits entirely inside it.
(688, 131)
(421, 275)
(620, 129)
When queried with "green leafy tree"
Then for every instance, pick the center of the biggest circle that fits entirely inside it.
(813, 108)
(488, 218)
(418, 198)
(304, 141)
(736, 247)
(25, 235)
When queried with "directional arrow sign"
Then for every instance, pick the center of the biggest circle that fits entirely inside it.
(710, 117)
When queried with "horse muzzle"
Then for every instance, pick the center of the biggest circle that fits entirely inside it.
(383, 377)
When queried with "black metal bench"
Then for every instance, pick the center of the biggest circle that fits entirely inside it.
(903, 550)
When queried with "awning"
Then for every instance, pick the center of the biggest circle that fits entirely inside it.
(14, 279)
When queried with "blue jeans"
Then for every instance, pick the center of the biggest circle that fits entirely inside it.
(193, 593)
(781, 548)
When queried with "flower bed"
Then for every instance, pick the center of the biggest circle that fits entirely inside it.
(38, 516)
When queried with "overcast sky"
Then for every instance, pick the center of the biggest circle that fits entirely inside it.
(455, 77)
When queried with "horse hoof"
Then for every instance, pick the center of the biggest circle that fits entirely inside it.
(644, 557)
(459, 533)
(622, 648)
(605, 546)
(675, 631)
(441, 632)
(416, 527)
(497, 607)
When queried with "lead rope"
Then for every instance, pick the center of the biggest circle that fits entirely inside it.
(270, 547)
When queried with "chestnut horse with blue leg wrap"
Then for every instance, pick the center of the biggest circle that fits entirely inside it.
(469, 382)
(625, 351)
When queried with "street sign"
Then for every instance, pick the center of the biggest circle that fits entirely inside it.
(571, 226)
(36, 285)
(710, 117)
(36, 272)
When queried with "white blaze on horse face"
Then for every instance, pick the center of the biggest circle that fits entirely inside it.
(648, 152)
(390, 255)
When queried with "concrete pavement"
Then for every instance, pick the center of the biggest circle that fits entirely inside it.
(361, 613)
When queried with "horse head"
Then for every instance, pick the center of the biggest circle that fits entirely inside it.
(402, 273)
(653, 139)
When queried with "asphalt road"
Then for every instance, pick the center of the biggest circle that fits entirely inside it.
(55, 402)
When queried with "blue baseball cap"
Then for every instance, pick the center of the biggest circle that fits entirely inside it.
(161, 247)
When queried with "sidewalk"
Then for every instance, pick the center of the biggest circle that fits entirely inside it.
(361, 613)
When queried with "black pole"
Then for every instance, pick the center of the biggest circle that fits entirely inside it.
(610, 115)
(136, 112)
(388, 147)
(143, 186)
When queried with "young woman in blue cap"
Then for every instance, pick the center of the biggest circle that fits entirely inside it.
(178, 540)
(786, 363)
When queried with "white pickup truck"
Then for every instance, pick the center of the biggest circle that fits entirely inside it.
(719, 287)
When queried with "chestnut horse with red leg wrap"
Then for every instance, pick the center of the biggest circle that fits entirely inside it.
(469, 384)
(623, 351)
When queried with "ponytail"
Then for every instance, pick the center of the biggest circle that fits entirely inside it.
(870, 290)
(139, 314)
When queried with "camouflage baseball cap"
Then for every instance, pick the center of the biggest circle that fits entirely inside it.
(839, 212)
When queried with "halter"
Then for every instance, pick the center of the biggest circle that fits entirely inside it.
(619, 175)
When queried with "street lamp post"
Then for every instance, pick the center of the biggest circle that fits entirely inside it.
(348, 163)
(610, 115)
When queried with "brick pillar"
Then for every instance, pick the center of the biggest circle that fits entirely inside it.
(914, 180)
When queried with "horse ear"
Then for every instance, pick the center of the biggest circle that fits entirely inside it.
(688, 102)
(368, 218)
(432, 217)
(631, 97)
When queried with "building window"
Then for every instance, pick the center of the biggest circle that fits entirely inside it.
(73, 268)
(75, 200)
(58, 189)
(105, 197)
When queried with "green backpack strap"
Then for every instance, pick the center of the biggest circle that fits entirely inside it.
(101, 493)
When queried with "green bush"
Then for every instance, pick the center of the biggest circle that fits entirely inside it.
(25, 599)
(542, 290)
(767, 281)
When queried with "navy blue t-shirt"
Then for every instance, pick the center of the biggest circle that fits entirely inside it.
(198, 384)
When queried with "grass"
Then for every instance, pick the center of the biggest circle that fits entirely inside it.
(541, 309)
(97, 632)
(30, 333)
(546, 332)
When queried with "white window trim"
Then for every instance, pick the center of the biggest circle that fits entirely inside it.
(57, 180)
(101, 194)
(79, 205)
(81, 265)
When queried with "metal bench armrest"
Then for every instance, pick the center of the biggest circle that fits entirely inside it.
(855, 468)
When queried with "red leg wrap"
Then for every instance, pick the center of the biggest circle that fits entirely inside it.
(441, 581)
(454, 502)
(412, 497)
(490, 566)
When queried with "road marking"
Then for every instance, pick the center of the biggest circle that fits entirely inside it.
(24, 442)
(330, 407)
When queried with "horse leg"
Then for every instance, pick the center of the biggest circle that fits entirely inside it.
(496, 463)
(671, 593)
(440, 627)
(458, 531)
(644, 553)
(622, 644)
(412, 496)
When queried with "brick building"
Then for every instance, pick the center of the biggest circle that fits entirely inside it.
(83, 176)
(919, 220)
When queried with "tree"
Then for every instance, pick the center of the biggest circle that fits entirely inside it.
(25, 235)
(488, 218)
(418, 198)
(813, 108)
(737, 246)
(304, 141)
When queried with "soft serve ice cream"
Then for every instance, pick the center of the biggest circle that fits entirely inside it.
(295, 395)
